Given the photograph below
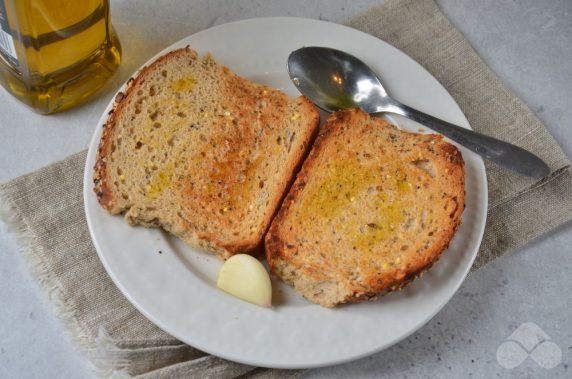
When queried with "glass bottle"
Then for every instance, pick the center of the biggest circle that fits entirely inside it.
(54, 54)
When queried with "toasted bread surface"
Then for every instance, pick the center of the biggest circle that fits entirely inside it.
(201, 152)
(371, 208)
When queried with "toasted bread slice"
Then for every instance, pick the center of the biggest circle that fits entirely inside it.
(371, 208)
(201, 152)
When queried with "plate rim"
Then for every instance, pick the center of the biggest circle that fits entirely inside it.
(87, 191)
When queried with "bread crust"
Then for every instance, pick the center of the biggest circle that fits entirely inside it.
(299, 264)
(186, 227)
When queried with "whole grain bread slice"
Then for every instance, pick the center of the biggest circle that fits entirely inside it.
(371, 208)
(201, 152)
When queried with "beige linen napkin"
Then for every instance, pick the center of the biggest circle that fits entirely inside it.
(45, 209)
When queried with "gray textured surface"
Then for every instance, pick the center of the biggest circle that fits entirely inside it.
(527, 43)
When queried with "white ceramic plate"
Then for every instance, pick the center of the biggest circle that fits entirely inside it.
(176, 289)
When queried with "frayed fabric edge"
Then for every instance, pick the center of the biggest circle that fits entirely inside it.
(104, 356)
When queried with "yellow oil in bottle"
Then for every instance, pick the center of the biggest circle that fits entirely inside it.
(55, 54)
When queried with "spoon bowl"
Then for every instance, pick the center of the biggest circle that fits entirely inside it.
(336, 80)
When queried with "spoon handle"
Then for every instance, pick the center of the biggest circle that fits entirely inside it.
(502, 153)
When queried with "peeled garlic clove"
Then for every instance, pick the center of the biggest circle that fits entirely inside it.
(245, 277)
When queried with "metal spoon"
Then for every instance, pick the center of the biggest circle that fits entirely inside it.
(336, 80)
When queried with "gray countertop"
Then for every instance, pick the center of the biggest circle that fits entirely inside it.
(527, 43)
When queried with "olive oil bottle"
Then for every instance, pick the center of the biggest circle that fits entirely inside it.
(55, 54)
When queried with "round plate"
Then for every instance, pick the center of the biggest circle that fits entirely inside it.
(176, 289)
